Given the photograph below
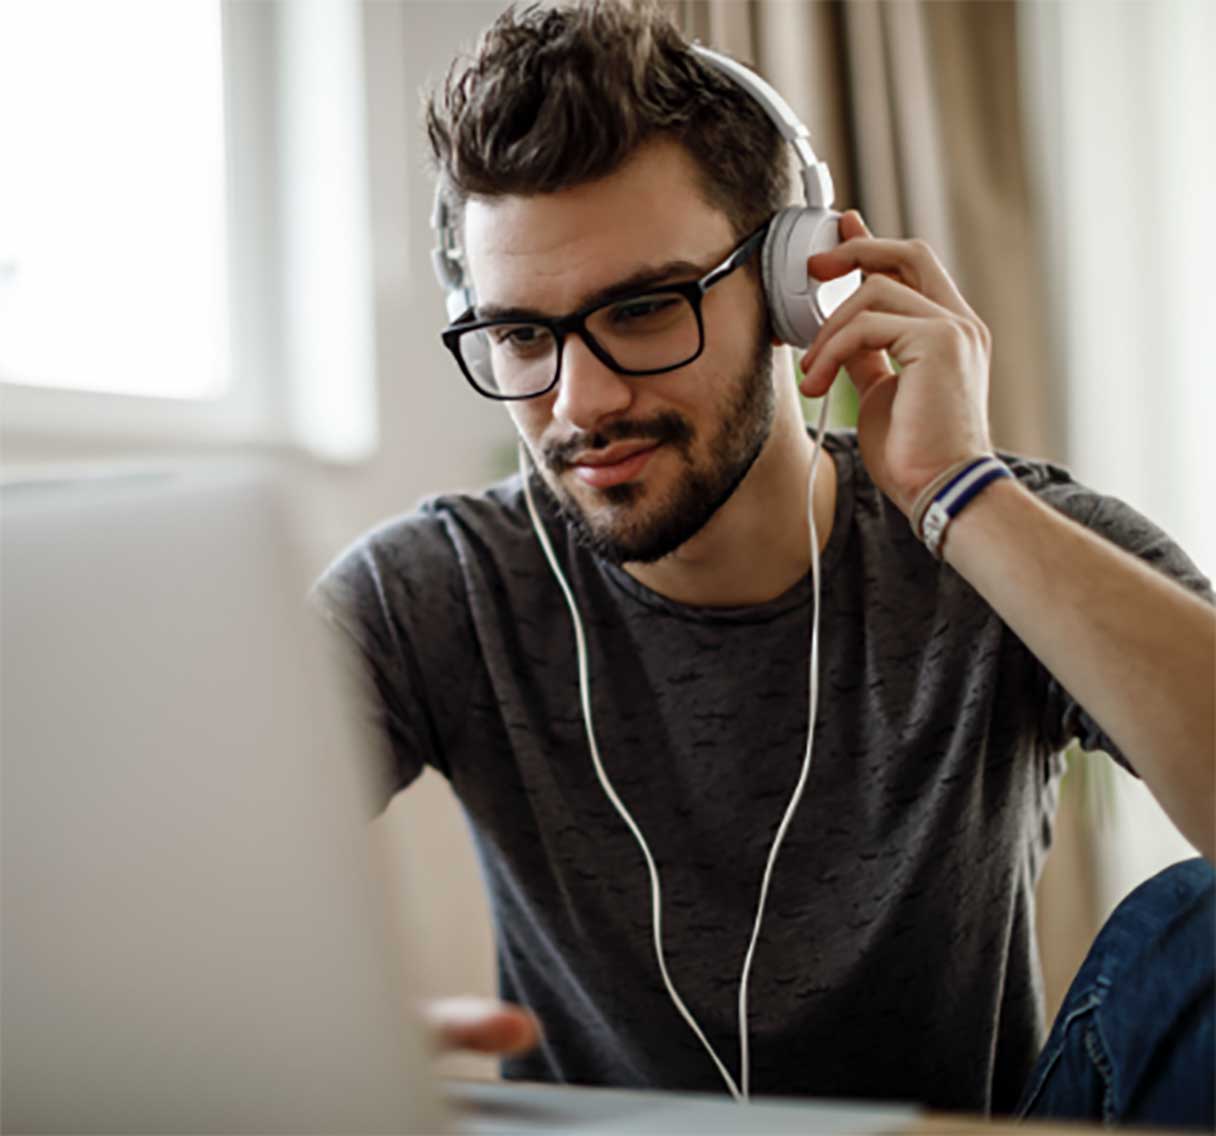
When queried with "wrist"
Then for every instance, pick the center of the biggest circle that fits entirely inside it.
(996, 516)
(949, 494)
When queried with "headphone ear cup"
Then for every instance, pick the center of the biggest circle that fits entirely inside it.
(794, 303)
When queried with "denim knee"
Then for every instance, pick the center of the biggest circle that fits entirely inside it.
(1133, 1039)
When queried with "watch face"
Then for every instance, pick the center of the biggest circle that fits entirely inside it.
(936, 520)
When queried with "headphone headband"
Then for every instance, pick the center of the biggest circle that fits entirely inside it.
(816, 178)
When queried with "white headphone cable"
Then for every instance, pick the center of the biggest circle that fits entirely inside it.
(812, 713)
(656, 892)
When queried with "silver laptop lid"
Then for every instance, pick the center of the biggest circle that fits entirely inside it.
(192, 937)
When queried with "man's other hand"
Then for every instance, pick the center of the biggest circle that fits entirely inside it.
(481, 1025)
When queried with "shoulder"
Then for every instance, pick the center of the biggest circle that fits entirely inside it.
(425, 554)
(876, 520)
(872, 520)
(1053, 483)
(1045, 479)
(1109, 517)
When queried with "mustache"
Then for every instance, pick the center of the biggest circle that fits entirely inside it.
(665, 427)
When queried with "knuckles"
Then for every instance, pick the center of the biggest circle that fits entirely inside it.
(961, 334)
(976, 333)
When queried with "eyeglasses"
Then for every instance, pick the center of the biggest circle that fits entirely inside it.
(648, 332)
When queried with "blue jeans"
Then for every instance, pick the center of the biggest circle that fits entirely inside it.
(1133, 1040)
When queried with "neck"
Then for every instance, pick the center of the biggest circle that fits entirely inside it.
(719, 567)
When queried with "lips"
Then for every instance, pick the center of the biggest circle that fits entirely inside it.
(613, 466)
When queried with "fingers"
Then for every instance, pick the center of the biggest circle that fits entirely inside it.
(868, 331)
(869, 367)
(913, 263)
(482, 1025)
(852, 225)
(877, 294)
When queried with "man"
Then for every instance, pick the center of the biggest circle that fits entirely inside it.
(593, 162)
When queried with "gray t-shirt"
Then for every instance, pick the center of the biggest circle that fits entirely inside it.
(897, 958)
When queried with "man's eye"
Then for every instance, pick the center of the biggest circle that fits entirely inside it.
(513, 334)
(645, 312)
(520, 338)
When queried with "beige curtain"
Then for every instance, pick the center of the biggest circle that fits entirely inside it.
(916, 107)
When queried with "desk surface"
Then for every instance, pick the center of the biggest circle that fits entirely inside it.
(940, 1124)
(498, 1108)
(489, 1108)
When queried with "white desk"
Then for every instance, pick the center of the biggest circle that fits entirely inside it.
(495, 1108)
(489, 1108)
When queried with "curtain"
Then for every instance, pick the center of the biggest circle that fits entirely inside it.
(917, 108)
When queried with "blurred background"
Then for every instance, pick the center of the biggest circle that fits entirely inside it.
(214, 239)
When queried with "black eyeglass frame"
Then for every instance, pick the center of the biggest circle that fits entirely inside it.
(576, 323)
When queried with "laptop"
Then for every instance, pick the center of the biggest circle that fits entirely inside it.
(192, 936)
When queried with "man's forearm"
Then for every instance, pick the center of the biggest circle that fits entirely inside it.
(1134, 648)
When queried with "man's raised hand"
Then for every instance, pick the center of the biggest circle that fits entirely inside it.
(932, 413)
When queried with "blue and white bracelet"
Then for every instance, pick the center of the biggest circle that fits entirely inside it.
(949, 494)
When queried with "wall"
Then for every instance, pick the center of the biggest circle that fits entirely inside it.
(436, 434)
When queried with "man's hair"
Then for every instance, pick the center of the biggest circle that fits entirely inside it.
(555, 97)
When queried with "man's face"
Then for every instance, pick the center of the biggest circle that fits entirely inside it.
(638, 464)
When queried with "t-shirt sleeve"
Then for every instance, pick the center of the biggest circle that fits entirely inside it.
(1064, 719)
(391, 599)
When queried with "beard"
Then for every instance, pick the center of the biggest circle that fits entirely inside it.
(630, 533)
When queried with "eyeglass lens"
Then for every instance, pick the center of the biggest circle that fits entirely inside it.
(644, 333)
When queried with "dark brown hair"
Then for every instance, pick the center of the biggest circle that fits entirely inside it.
(554, 97)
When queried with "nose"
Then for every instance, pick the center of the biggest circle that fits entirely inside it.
(587, 390)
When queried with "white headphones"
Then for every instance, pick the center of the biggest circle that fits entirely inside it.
(797, 304)
(798, 307)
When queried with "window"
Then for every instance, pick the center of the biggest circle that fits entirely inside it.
(112, 215)
(184, 224)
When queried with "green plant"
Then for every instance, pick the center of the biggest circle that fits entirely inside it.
(843, 409)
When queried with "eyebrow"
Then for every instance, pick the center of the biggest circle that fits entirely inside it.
(644, 278)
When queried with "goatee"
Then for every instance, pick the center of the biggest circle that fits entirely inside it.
(744, 424)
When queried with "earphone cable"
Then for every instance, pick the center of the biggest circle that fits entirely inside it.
(741, 1094)
(799, 788)
(584, 686)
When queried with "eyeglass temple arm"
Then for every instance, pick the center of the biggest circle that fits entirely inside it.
(736, 258)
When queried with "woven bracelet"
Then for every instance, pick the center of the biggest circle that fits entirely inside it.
(949, 494)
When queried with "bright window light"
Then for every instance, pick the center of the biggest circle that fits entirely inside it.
(112, 228)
